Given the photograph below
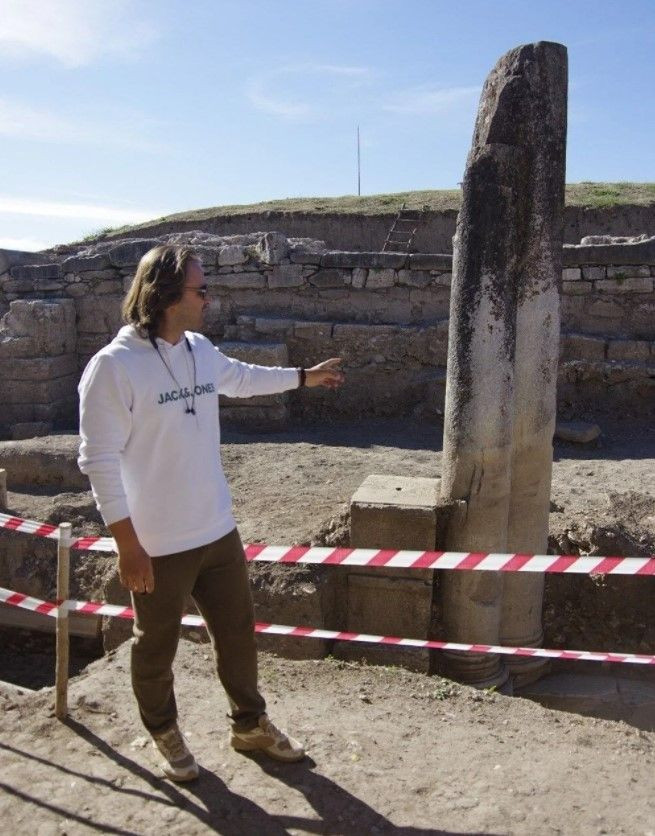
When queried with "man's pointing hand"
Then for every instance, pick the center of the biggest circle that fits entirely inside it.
(326, 373)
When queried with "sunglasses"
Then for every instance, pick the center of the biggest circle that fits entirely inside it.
(202, 291)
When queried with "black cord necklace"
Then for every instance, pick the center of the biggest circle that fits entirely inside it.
(189, 410)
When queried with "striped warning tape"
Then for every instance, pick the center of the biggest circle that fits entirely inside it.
(390, 558)
(105, 544)
(17, 599)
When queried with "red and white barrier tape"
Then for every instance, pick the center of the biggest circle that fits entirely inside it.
(481, 561)
(17, 599)
(104, 544)
(389, 558)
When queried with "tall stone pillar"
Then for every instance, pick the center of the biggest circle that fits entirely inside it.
(503, 350)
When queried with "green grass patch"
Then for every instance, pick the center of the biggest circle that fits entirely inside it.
(587, 194)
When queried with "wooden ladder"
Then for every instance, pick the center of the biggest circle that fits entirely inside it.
(403, 229)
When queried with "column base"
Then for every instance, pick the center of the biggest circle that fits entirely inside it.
(525, 670)
(478, 670)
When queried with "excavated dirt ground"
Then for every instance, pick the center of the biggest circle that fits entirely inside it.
(390, 750)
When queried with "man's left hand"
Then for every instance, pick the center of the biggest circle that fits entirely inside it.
(326, 373)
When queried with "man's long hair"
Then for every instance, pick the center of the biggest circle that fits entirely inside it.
(157, 284)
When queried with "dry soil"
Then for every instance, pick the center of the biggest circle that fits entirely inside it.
(390, 751)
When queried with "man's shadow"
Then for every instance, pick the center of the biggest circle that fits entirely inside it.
(341, 813)
(218, 808)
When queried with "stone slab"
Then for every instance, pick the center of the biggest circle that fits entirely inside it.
(50, 461)
(328, 278)
(235, 281)
(431, 261)
(129, 253)
(364, 259)
(30, 429)
(405, 492)
(232, 254)
(36, 271)
(272, 248)
(582, 347)
(620, 271)
(312, 330)
(391, 512)
(14, 258)
(379, 279)
(273, 326)
(578, 432)
(286, 275)
(82, 264)
(642, 252)
(50, 325)
(38, 368)
(262, 354)
(637, 350)
(576, 288)
(625, 285)
(40, 391)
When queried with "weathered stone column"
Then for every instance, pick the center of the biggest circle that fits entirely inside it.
(503, 347)
(537, 350)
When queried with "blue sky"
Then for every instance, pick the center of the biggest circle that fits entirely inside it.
(117, 111)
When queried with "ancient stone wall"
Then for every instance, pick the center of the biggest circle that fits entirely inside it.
(350, 231)
(386, 314)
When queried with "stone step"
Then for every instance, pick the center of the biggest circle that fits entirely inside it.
(36, 271)
(575, 346)
(601, 383)
(48, 461)
(14, 258)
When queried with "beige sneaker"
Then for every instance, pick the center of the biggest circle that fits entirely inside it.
(178, 763)
(269, 739)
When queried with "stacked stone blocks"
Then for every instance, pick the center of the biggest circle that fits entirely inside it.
(386, 314)
(38, 364)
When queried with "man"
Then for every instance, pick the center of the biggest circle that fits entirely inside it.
(150, 447)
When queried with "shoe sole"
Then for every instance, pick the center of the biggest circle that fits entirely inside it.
(179, 779)
(241, 746)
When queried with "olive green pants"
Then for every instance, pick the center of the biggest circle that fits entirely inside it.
(216, 578)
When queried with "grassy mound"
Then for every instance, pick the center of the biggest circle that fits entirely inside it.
(590, 195)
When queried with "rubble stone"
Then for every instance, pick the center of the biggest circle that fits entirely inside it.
(577, 432)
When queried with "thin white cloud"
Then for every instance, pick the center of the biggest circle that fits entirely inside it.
(30, 245)
(23, 121)
(332, 69)
(74, 32)
(50, 209)
(261, 99)
(430, 100)
(264, 93)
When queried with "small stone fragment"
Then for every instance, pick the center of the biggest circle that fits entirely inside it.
(578, 432)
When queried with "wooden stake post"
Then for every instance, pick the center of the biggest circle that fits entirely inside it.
(63, 594)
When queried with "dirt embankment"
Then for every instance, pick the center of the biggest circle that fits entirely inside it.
(390, 751)
(294, 487)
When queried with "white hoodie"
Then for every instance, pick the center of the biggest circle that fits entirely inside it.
(146, 457)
